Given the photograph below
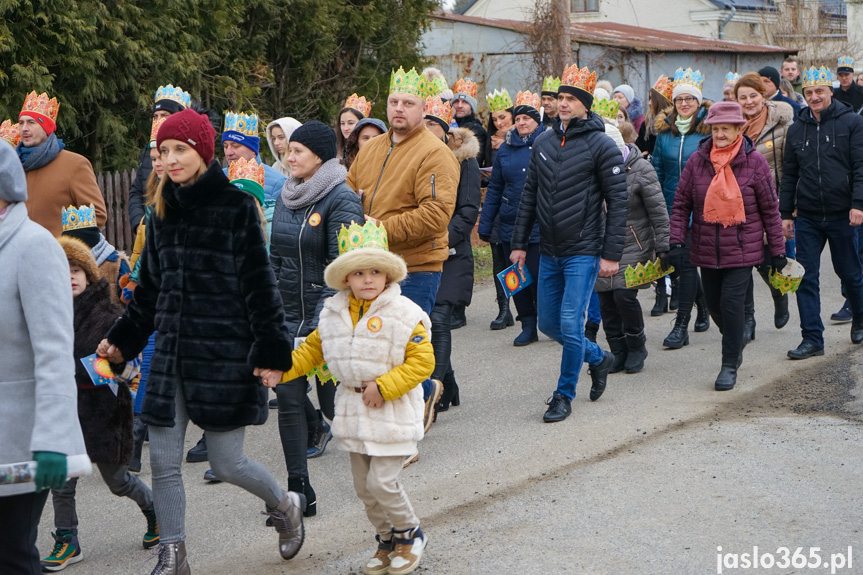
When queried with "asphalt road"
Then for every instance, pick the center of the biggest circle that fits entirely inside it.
(651, 479)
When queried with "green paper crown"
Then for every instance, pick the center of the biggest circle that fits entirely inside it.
(550, 84)
(789, 279)
(645, 273)
(366, 236)
(498, 101)
(606, 108)
(412, 83)
(436, 86)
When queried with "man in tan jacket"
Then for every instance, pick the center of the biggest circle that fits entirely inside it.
(407, 180)
(56, 177)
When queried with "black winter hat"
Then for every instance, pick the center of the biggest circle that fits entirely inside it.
(772, 73)
(318, 137)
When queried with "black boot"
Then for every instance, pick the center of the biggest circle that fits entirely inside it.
(528, 333)
(780, 311)
(459, 319)
(661, 305)
(674, 301)
(590, 331)
(504, 317)
(636, 352)
(599, 376)
(301, 485)
(618, 348)
(450, 393)
(679, 335)
(748, 329)
(727, 375)
(198, 454)
(702, 317)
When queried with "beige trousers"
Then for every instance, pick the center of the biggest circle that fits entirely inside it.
(377, 485)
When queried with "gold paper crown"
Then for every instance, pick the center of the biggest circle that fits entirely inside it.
(846, 62)
(817, 77)
(606, 108)
(243, 169)
(175, 94)
(360, 104)
(645, 273)
(411, 82)
(436, 107)
(527, 98)
(366, 236)
(582, 79)
(550, 84)
(465, 86)
(732, 77)
(498, 101)
(154, 129)
(689, 77)
(437, 85)
(665, 87)
(9, 132)
(41, 105)
(76, 219)
(246, 124)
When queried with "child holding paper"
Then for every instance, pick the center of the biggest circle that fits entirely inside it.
(106, 417)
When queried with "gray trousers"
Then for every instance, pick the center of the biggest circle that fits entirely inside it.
(119, 481)
(225, 452)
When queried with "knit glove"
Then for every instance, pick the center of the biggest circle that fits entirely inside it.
(676, 255)
(485, 238)
(50, 470)
(663, 259)
(778, 263)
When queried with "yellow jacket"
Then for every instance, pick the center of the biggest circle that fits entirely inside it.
(417, 367)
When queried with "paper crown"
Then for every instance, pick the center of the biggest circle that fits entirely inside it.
(78, 218)
(645, 273)
(689, 77)
(732, 77)
(498, 101)
(437, 85)
(248, 175)
(606, 108)
(154, 129)
(360, 104)
(527, 98)
(366, 236)
(788, 280)
(846, 62)
(246, 124)
(411, 82)
(665, 87)
(9, 132)
(465, 86)
(436, 107)
(817, 77)
(175, 94)
(582, 79)
(40, 105)
(550, 84)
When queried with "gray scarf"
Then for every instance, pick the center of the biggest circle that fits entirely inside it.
(102, 250)
(298, 194)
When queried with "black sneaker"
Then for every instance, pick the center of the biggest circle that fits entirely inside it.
(274, 403)
(558, 408)
(198, 454)
(844, 315)
(318, 439)
(599, 375)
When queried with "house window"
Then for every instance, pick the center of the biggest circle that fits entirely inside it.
(584, 5)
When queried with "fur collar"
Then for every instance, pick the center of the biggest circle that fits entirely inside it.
(463, 143)
(778, 114)
(665, 120)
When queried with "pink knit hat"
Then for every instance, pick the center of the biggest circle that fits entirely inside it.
(192, 128)
(725, 113)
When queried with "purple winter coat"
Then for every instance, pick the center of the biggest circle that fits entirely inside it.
(713, 245)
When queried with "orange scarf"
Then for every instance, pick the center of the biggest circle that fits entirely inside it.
(755, 125)
(724, 201)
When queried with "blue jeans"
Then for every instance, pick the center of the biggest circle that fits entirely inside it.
(564, 291)
(811, 236)
(593, 313)
(421, 288)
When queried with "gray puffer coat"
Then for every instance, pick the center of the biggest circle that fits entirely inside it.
(647, 226)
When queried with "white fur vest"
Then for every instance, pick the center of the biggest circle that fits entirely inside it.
(362, 353)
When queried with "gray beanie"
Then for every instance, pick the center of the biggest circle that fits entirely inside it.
(467, 98)
(13, 184)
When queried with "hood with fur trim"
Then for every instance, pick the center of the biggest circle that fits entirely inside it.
(288, 125)
(463, 143)
(665, 120)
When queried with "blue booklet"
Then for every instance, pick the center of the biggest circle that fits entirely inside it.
(99, 371)
(514, 279)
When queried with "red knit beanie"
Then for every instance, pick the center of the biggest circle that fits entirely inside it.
(192, 128)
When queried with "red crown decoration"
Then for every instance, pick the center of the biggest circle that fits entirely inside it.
(42, 109)
(243, 169)
(360, 104)
(154, 130)
(9, 132)
(465, 86)
(665, 87)
(527, 98)
(439, 109)
(582, 79)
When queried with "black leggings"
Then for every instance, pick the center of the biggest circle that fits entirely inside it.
(621, 312)
(441, 337)
(725, 294)
(19, 522)
(294, 417)
(688, 284)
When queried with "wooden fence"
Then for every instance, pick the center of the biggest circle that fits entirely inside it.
(115, 190)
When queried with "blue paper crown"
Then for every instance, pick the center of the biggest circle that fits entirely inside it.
(846, 62)
(732, 77)
(690, 77)
(246, 124)
(76, 219)
(177, 94)
(817, 77)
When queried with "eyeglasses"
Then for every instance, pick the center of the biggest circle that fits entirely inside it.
(684, 100)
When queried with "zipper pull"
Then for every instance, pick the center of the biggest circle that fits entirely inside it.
(562, 142)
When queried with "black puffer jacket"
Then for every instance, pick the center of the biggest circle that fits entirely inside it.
(822, 174)
(303, 243)
(206, 285)
(569, 178)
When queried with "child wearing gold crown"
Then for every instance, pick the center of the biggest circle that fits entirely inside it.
(376, 343)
